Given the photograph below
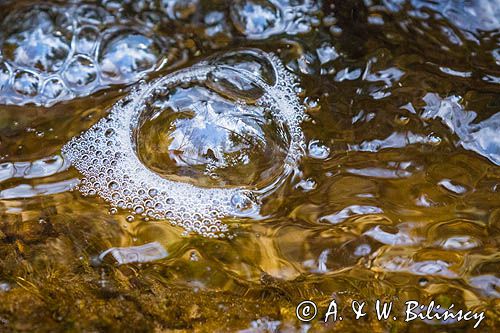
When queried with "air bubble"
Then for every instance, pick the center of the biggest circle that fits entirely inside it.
(86, 39)
(256, 18)
(241, 201)
(4, 75)
(127, 55)
(193, 153)
(81, 73)
(35, 41)
(54, 88)
(26, 83)
(113, 185)
(92, 15)
(204, 138)
(260, 19)
(109, 132)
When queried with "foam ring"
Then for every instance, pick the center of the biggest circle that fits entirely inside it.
(106, 155)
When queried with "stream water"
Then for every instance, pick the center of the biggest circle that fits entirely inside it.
(208, 165)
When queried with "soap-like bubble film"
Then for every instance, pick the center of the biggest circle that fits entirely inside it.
(52, 52)
(163, 150)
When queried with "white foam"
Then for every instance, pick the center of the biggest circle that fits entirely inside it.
(106, 154)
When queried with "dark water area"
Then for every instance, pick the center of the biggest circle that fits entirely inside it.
(193, 165)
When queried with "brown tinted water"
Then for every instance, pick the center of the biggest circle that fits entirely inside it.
(397, 196)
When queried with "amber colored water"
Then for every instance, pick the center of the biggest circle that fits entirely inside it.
(397, 197)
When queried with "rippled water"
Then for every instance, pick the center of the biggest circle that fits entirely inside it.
(328, 149)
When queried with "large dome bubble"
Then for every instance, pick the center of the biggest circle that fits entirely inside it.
(197, 145)
(194, 133)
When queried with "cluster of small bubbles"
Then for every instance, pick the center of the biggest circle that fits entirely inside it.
(119, 173)
(52, 52)
(260, 19)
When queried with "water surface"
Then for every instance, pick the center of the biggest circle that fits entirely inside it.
(395, 194)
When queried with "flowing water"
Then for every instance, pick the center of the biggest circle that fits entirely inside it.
(208, 165)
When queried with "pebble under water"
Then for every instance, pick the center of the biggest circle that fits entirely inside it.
(196, 165)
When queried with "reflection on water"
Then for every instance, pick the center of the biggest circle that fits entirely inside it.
(133, 254)
(388, 189)
(480, 137)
